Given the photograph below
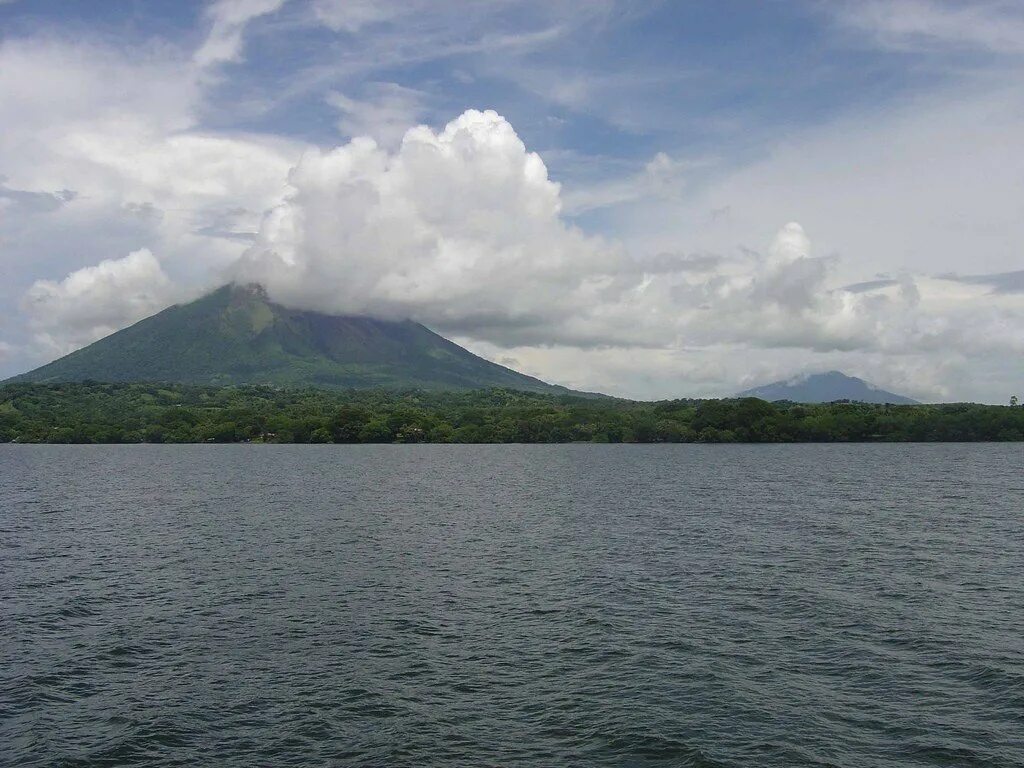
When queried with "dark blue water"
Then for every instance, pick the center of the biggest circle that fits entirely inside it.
(512, 606)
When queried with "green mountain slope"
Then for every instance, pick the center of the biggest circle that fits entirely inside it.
(236, 335)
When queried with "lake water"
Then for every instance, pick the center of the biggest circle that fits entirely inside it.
(809, 605)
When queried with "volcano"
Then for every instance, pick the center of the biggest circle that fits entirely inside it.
(237, 335)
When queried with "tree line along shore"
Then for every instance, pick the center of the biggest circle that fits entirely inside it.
(93, 412)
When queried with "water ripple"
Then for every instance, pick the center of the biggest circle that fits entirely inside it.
(708, 606)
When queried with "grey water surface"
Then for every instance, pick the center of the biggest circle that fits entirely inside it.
(807, 605)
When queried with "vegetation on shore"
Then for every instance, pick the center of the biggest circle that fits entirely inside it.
(163, 413)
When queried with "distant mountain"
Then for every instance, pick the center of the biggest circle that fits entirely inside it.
(236, 335)
(825, 388)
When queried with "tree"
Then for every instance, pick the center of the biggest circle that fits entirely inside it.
(94, 412)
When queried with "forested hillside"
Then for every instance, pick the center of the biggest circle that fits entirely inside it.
(131, 413)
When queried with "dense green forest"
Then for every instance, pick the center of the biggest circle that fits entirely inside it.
(134, 413)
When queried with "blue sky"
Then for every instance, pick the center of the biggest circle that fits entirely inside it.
(615, 82)
(730, 191)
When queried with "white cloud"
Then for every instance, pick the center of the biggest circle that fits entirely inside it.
(989, 25)
(352, 15)
(48, 85)
(721, 370)
(459, 228)
(662, 177)
(384, 34)
(463, 230)
(101, 155)
(385, 114)
(922, 187)
(229, 19)
(93, 302)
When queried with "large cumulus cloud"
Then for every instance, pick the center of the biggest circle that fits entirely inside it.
(463, 229)
(460, 228)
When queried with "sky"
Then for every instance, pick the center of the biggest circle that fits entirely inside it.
(648, 199)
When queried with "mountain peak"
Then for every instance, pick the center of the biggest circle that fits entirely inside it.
(255, 290)
(237, 335)
(825, 388)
